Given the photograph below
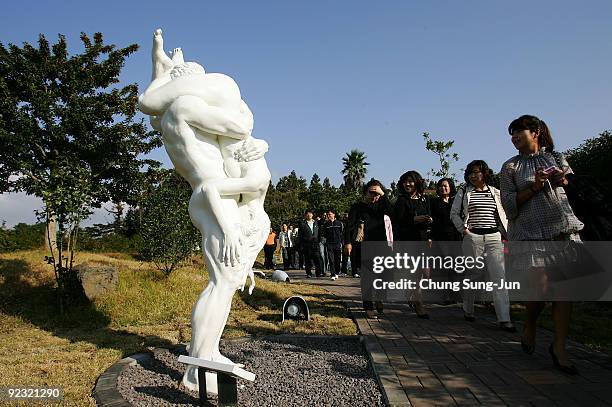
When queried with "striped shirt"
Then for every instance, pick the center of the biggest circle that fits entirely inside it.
(481, 210)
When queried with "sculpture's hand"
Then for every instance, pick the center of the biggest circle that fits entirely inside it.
(232, 248)
(251, 150)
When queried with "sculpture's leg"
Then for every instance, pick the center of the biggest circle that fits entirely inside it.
(161, 62)
(190, 106)
(207, 322)
(209, 314)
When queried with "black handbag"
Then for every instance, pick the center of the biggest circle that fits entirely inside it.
(591, 204)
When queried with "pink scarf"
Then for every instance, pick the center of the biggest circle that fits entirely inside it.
(389, 231)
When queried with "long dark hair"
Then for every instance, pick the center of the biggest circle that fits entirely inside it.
(414, 176)
(529, 122)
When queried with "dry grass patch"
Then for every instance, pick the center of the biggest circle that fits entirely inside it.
(40, 347)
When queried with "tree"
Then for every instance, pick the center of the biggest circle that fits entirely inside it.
(594, 158)
(441, 149)
(167, 235)
(68, 134)
(354, 169)
(393, 192)
(287, 201)
(21, 237)
(291, 182)
(315, 195)
(329, 196)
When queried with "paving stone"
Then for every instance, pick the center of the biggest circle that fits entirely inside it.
(452, 362)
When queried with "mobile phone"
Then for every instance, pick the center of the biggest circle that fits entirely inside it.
(551, 170)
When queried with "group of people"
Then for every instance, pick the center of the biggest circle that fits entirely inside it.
(314, 243)
(530, 205)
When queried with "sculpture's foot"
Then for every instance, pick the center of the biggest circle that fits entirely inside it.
(161, 62)
(177, 56)
(190, 378)
(190, 381)
(222, 359)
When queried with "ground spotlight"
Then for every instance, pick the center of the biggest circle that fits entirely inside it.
(296, 308)
(280, 275)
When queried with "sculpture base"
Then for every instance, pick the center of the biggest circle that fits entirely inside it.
(217, 378)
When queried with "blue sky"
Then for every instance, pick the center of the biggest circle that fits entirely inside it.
(324, 77)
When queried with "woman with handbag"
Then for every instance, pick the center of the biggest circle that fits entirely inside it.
(533, 195)
(478, 215)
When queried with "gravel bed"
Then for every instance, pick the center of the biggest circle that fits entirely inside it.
(290, 371)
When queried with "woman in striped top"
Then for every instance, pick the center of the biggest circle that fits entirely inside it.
(478, 215)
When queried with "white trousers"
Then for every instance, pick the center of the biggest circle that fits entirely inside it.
(490, 246)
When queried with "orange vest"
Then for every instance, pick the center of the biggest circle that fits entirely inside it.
(271, 239)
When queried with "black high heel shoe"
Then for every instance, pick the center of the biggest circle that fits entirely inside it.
(527, 348)
(419, 310)
(570, 370)
(469, 317)
(379, 307)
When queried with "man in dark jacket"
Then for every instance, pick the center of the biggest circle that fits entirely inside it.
(333, 230)
(309, 243)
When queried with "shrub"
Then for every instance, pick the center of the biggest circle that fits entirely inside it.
(167, 235)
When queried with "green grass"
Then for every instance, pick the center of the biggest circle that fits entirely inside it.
(38, 346)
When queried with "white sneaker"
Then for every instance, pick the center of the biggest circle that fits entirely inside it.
(356, 275)
(334, 278)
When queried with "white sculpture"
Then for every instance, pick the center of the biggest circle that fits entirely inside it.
(206, 128)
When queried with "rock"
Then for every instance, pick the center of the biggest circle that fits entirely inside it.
(97, 280)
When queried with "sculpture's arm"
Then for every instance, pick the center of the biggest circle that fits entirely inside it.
(231, 251)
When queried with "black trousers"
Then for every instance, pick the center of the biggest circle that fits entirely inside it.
(344, 266)
(356, 258)
(269, 254)
(356, 268)
(312, 255)
(300, 257)
(291, 257)
(334, 256)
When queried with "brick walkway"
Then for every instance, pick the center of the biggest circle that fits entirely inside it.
(446, 361)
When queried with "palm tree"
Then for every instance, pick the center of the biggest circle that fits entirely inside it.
(354, 169)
